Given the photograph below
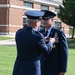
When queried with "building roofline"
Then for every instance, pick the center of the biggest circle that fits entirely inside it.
(52, 3)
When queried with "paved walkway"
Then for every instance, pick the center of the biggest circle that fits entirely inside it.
(10, 42)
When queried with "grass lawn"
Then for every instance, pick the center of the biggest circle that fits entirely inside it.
(71, 62)
(71, 43)
(7, 58)
(5, 38)
(8, 54)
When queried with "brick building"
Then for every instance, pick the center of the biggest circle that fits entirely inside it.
(12, 13)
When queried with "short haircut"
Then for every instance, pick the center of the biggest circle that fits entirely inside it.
(32, 20)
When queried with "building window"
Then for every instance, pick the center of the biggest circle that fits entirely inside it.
(44, 7)
(24, 21)
(56, 9)
(57, 24)
(28, 4)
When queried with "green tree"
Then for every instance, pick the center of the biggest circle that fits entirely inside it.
(67, 13)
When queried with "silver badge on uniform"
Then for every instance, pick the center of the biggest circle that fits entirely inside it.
(56, 37)
(54, 46)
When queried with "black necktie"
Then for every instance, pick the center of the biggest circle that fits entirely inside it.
(46, 33)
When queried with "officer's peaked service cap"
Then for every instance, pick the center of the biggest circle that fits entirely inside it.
(34, 14)
(48, 14)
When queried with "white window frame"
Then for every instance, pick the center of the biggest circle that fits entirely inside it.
(28, 4)
(59, 23)
(44, 7)
(25, 22)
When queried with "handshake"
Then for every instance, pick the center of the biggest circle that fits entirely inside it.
(47, 39)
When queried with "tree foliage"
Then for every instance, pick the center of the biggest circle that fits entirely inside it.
(67, 12)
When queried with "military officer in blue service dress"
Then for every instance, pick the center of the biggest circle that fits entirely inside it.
(30, 44)
(55, 63)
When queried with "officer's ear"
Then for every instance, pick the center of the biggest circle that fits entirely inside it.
(36, 22)
(52, 19)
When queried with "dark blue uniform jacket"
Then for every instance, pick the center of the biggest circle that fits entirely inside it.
(56, 60)
(30, 44)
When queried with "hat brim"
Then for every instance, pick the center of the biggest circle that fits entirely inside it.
(48, 14)
(34, 14)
